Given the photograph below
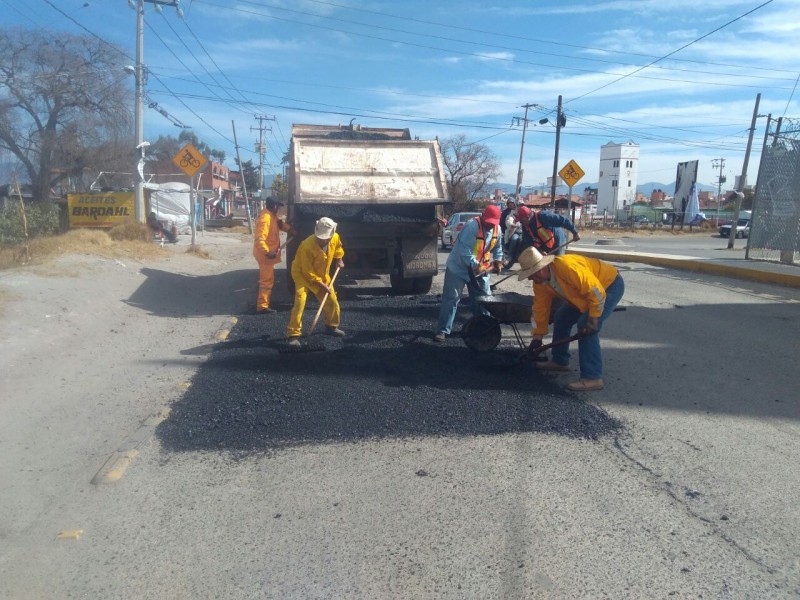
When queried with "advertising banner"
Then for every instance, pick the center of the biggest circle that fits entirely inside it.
(685, 178)
(100, 209)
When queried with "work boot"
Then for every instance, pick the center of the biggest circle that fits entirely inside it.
(585, 385)
(334, 331)
(552, 366)
(439, 337)
(294, 342)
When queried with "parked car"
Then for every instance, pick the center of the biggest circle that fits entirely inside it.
(742, 229)
(454, 225)
(640, 219)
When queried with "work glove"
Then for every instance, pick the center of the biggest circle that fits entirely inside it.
(575, 237)
(592, 325)
(535, 344)
(272, 255)
(496, 266)
(340, 263)
(325, 287)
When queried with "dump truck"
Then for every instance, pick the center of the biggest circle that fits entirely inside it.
(385, 190)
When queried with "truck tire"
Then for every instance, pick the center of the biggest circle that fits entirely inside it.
(422, 285)
(400, 285)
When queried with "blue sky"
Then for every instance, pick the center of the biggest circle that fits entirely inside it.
(678, 77)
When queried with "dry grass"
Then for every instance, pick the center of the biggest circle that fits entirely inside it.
(131, 231)
(236, 229)
(83, 241)
(198, 252)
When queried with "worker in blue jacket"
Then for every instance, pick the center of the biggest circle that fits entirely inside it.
(542, 229)
(477, 251)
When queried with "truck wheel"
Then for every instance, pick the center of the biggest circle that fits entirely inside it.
(422, 285)
(400, 285)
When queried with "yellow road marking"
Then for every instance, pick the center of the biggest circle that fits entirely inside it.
(69, 534)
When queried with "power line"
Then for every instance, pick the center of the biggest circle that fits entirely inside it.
(632, 73)
(486, 56)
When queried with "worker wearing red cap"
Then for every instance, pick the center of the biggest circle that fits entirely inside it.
(542, 229)
(477, 251)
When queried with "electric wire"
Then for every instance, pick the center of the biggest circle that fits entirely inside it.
(633, 73)
(481, 43)
(501, 59)
(449, 26)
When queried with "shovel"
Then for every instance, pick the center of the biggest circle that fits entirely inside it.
(493, 287)
(322, 304)
(306, 344)
(535, 354)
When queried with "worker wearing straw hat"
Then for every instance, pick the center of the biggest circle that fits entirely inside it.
(591, 289)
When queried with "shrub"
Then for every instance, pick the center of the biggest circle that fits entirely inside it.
(42, 219)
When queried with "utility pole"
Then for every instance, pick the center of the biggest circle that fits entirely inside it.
(241, 176)
(560, 122)
(743, 178)
(261, 147)
(758, 177)
(140, 73)
(515, 121)
(719, 162)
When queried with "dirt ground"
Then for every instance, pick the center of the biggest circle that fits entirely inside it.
(93, 343)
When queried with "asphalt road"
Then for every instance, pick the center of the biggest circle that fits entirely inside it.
(388, 467)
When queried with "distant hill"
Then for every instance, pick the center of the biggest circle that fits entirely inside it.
(645, 188)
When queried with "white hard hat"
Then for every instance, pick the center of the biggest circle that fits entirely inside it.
(325, 228)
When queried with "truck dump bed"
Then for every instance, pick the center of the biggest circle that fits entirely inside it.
(331, 171)
(384, 190)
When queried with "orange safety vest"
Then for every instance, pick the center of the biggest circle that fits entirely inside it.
(481, 253)
(546, 238)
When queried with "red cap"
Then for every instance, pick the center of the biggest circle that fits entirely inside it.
(491, 215)
(523, 211)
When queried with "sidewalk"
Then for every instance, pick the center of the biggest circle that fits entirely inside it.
(740, 268)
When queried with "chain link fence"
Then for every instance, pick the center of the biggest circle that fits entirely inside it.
(775, 225)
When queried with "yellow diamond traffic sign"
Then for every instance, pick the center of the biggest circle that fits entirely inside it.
(571, 173)
(189, 160)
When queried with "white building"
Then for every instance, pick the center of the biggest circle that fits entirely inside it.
(619, 173)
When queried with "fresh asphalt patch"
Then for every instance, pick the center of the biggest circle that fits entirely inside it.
(386, 379)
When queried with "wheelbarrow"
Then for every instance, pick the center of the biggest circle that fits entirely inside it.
(483, 333)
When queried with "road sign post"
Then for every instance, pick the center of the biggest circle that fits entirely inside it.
(190, 161)
(571, 174)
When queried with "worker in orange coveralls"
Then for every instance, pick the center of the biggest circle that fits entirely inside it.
(267, 251)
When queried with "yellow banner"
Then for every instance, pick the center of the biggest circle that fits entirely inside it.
(99, 209)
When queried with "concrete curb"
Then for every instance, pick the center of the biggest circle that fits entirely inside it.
(697, 265)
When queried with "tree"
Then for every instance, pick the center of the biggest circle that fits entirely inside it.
(470, 166)
(63, 106)
(167, 146)
(279, 189)
(251, 176)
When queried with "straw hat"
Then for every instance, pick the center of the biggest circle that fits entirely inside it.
(325, 228)
(530, 261)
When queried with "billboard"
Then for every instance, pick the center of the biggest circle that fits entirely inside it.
(685, 178)
(100, 209)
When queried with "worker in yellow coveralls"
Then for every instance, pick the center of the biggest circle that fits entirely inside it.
(311, 273)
